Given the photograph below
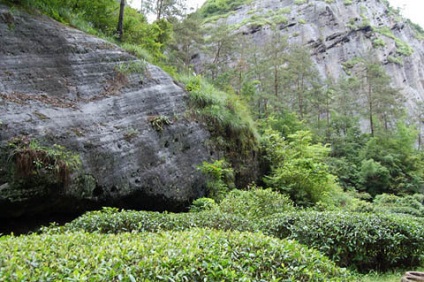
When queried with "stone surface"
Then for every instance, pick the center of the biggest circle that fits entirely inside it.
(337, 32)
(413, 276)
(61, 86)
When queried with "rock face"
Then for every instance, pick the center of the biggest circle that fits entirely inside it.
(338, 31)
(121, 125)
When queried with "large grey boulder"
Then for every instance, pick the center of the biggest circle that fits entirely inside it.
(121, 124)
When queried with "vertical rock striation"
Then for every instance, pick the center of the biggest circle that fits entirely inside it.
(338, 31)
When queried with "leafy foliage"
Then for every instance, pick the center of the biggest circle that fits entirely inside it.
(109, 220)
(391, 164)
(375, 176)
(220, 178)
(298, 167)
(187, 40)
(412, 204)
(402, 47)
(203, 204)
(101, 17)
(163, 9)
(167, 256)
(362, 241)
(240, 210)
(159, 122)
(255, 204)
(225, 114)
(230, 123)
(220, 7)
(36, 163)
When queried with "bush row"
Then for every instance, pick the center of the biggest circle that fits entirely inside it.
(240, 210)
(359, 240)
(255, 204)
(109, 220)
(195, 255)
(410, 204)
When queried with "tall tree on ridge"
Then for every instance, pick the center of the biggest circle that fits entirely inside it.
(164, 9)
(186, 40)
(220, 45)
(120, 29)
(381, 99)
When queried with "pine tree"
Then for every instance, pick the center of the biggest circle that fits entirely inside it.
(187, 40)
(381, 101)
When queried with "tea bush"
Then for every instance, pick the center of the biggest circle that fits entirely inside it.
(110, 220)
(256, 203)
(203, 204)
(195, 255)
(362, 241)
(411, 204)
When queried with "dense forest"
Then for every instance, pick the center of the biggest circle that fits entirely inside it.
(319, 179)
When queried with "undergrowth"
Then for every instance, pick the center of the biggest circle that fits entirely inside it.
(219, 7)
(361, 241)
(230, 123)
(225, 114)
(195, 255)
(33, 161)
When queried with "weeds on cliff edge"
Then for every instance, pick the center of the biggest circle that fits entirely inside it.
(34, 160)
(225, 114)
(127, 68)
(159, 122)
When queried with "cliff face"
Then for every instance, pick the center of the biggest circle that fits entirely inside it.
(338, 31)
(121, 125)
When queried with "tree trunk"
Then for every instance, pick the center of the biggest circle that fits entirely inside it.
(120, 29)
(370, 108)
(159, 9)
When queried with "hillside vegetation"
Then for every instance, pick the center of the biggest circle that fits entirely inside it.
(340, 198)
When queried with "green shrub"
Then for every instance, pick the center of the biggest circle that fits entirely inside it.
(195, 255)
(101, 14)
(219, 178)
(374, 176)
(298, 167)
(230, 123)
(395, 60)
(127, 68)
(351, 63)
(109, 220)
(255, 204)
(225, 114)
(203, 204)
(412, 204)
(403, 48)
(137, 51)
(378, 42)
(100, 19)
(361, 241)
(220, 7)
(35, 163)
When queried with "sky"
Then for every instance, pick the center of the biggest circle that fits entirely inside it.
(412, 9)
